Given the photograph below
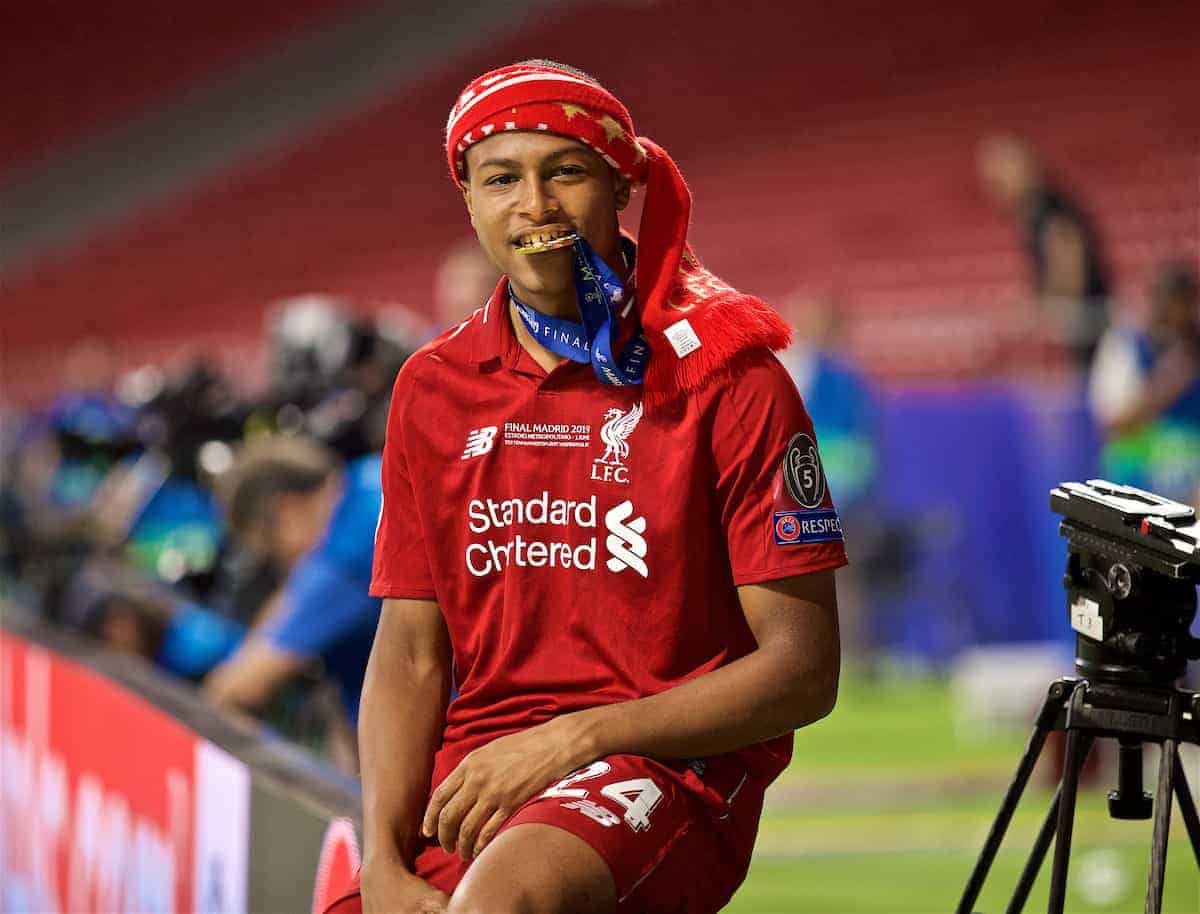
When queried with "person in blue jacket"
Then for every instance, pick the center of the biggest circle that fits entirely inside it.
(838, 398)
(1145, 391)
(291, 501)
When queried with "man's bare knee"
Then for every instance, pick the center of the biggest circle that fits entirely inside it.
(496, 896)
(536, 869)
(469, 904)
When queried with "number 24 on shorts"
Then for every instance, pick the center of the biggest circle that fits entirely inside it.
(637, 797)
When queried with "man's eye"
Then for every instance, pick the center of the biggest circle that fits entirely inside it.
(571, 170)
(501, 180)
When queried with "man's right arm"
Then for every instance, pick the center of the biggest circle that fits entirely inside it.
(400, 724)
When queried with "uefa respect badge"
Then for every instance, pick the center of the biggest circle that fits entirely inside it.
(820, 526)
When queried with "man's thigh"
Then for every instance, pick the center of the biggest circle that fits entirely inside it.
(664, 849)
(527, 868)
(669, 841)
(538, 869)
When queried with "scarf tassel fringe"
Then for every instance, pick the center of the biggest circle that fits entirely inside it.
(728, 326)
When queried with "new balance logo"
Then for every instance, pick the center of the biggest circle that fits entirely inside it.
(479, 442)
(625, 542)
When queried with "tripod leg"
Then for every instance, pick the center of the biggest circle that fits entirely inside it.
(1008, 806)
(1162, 825)
(1041, 844)
(1078, 745)
(1187, 806)
(1037, 857)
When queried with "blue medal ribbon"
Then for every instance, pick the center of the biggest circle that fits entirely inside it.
(599, 293)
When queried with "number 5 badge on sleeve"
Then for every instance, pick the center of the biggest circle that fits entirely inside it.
(804, 480)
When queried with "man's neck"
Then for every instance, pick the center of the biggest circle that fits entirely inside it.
(563, 305)
(540, 354)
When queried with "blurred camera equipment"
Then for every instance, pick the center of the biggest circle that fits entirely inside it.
(1133, 565)
(331, 373)
(187, 412)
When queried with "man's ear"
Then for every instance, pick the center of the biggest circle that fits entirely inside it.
(623, 191)
(466, 192)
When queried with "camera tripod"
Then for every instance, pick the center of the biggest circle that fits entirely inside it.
(1086, 710)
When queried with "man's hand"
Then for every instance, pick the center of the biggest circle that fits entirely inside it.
(388, 888)
(491, 783)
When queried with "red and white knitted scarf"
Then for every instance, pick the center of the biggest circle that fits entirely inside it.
(696, 324)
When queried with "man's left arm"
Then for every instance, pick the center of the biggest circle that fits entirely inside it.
(790, 680)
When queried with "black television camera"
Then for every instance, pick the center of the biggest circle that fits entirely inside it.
(1133, 566)
(1132, 569)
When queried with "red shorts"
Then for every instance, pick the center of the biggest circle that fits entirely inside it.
(677, 837)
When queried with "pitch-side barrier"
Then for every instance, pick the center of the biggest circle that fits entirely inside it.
(121, 790)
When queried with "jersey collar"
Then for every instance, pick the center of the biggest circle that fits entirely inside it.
(488, 343)
(494, 342)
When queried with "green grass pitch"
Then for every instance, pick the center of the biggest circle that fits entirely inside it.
(884, 810)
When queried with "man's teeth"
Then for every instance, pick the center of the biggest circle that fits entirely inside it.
(543, 238)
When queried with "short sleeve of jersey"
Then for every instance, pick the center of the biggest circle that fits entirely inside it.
(774, 501)
(401, 565)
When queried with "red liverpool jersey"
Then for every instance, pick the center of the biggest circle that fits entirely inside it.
(584, 550)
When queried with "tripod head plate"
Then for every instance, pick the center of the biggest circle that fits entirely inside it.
(1153, 531)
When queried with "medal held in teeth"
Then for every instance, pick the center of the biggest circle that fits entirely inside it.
(540, 247)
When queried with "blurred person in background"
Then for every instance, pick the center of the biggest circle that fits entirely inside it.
(842, 407)
(836, 394)
(463, 283)
(1071, 284)
(163, 576)
(1145, 391)
(292, 502)
(56, 466)
(137, 614)
(156, 577)
(157, 507)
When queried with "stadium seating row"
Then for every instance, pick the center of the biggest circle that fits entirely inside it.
(71, 68)
(873, 195)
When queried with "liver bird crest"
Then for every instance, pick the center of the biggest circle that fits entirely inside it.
(617, 428)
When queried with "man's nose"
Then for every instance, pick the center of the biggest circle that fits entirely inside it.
(539, 201)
